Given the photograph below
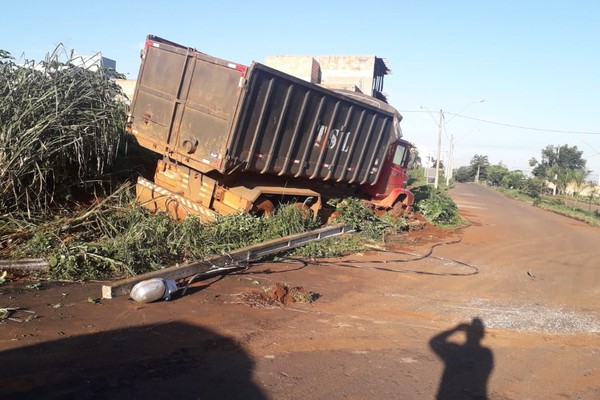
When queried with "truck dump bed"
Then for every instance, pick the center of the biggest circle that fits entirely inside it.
(215, 115)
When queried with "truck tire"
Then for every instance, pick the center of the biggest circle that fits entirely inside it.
(398, 210)
(263, 207)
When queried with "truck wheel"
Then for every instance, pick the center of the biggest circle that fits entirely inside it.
(331, 216)
(303, 209)
(263, 207)
(398, 210)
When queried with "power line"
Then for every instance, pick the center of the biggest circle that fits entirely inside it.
(525, 127)
(510, 125)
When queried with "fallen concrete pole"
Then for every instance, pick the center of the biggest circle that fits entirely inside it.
(25, 264)
(227, 261)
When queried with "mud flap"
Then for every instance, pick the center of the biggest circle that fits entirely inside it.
(400, 200)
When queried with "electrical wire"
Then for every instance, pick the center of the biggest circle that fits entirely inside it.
(239, 268)
(416, 257)
(454, 115)
(525, 127)
(287, 260)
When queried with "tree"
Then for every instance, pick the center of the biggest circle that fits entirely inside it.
(495, 174)
(463, 174)
(557, 165)
(513, 180)
(561, 177)
(578, 177)
(434, 162)
(479, 163)
(416, 158)
(564, 156)
(533, 187)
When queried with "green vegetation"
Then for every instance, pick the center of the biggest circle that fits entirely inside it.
(416, 177)
(332, 247)
(61, 128)
(557, 205)
(354, 213)
(560, 165)
(436, 206)
(479, 169)
(479, 164)
(495, 174)
(115, 237)
(517, 194)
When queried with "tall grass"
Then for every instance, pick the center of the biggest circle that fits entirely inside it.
(60, 128)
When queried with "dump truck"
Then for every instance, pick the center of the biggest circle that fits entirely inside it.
(236, 138)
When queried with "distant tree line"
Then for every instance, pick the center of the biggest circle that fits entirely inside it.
(561, 166)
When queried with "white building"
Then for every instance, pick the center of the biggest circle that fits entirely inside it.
(93, 62)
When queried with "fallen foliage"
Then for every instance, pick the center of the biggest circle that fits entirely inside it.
(436, 206)
(115, 237)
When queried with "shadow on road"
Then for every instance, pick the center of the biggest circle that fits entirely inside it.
(170, 360)
(467, 366)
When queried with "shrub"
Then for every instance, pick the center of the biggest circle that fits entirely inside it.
(362, 218)
(533, 187)
(513, 180)
(436, 205)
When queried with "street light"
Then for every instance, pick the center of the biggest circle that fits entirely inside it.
(465, 107)
(439, 144)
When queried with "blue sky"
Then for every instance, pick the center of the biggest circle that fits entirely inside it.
(536, 63)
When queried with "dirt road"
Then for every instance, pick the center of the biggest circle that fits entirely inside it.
(582, 205)
(522, 286)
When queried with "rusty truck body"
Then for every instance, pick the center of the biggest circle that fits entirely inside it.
(238, 138)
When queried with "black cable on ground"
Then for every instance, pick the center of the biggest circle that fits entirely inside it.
(241, 269)
(416, 257)
(304, 263)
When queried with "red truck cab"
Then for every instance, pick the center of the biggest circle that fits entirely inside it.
(390, 190)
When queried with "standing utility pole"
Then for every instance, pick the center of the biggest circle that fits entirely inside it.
(450, 161)
(439, 143)
(439, 147)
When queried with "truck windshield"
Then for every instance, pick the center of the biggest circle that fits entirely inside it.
(401, 155)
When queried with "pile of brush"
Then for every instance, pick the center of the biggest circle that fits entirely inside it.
(60, 128)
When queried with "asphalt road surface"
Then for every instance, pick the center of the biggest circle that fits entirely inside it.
(508, 308)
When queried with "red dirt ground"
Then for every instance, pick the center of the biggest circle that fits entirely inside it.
(509, 312)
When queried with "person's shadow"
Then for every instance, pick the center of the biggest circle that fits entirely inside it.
(467, 366)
